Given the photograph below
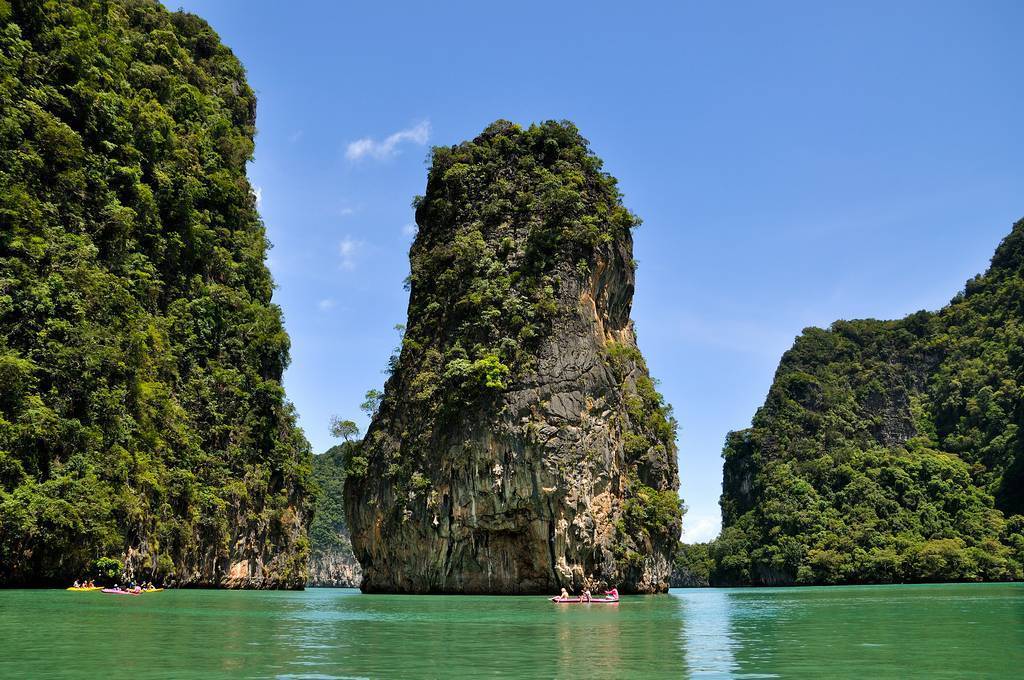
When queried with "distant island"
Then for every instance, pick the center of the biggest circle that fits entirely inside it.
(332, 563)
(886, 451)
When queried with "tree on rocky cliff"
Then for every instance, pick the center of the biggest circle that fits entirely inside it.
(344, 429)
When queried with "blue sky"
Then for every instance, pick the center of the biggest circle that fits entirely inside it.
(793, 162)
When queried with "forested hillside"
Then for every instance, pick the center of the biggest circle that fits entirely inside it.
(143, 426)
(887, 451)
(331, 561)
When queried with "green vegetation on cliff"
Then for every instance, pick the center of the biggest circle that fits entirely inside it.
(540, 196)
(520, 442)
(888, 451)
(328, 532)
(331, 561)
(142, 417)
(500, 215)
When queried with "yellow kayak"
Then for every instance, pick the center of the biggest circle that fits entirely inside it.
(82, 590)
(152, 590)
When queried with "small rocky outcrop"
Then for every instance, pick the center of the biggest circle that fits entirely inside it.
(335, 570)
(520, 445)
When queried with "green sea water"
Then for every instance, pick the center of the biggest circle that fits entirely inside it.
(928, 631)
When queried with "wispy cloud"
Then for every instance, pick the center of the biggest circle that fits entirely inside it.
(349, 248)
(368, 147)
(258, 191)
(409, 229)
(295, 136)
(701, 528)
(325, 304)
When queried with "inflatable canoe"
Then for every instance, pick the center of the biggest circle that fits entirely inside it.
(580, 600)
(86, 589)
(111, 591)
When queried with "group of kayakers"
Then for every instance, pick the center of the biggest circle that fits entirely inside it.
(585, 596)
(131, 587)
(134, 587)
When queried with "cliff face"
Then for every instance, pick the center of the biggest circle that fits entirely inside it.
(520, 444)
(334, 569)
(143, 427)
(888, 451)
(331, 562)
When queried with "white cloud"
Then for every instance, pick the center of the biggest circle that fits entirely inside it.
(345, 212)
(409, 229)
(325, 304)
(348, 248)
(259, 196)
(701, 528)
(295, 136)
(367, 146)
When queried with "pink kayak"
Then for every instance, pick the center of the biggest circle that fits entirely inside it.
(612, 598)
(112, 591)
(580, 600)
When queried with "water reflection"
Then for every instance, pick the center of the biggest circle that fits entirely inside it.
(706, 634)
(935, 631)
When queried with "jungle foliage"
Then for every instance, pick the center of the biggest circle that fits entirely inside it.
(540, 196)
(141, 357)
(500, 214)
(888, 451)
(328, 532)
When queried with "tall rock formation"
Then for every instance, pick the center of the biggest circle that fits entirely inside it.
(888, 451)
(520, 444)
(143, 428)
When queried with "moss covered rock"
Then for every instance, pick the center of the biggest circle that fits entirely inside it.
(520, 445)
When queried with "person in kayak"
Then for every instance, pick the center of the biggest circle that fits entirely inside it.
(564, 595)
(585, 597)
(76, 584)
(613, 593)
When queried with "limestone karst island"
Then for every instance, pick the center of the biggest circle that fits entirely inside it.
(331, 343)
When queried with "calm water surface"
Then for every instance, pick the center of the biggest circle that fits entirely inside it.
(943, 631)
